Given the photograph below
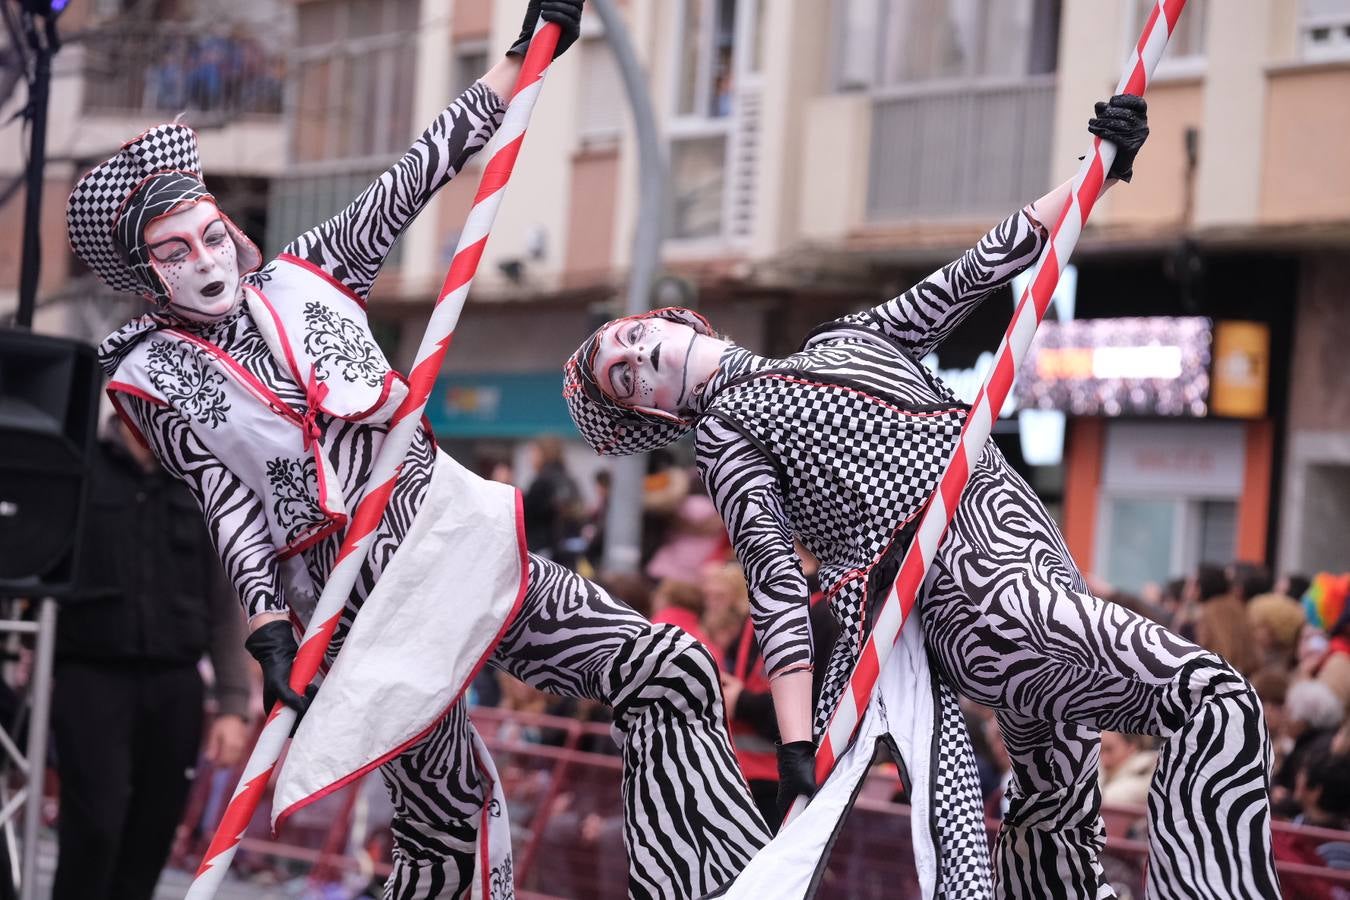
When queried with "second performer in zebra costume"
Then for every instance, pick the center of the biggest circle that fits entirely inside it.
(264, 391)
(839, 445)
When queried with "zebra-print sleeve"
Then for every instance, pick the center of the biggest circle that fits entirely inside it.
(352, 245)
(235, 516)
(922, 317)
(744, 486)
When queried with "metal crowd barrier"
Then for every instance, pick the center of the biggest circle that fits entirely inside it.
(561, 778)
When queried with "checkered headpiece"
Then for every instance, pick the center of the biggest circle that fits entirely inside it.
(153, 175)
(611, 428)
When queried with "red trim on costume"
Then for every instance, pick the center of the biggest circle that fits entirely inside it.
(468, 680)
(326, 276)
(390, 377)
(281, 408)
(484, 844)
(112, 390)
(281, 333)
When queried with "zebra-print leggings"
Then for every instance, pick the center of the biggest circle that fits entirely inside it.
(689, 822)
(1009, 621)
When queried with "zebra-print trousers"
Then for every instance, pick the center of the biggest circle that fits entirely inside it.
(1009, 621)
(689, 822)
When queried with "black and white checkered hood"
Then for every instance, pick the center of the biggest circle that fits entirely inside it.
(153, 175)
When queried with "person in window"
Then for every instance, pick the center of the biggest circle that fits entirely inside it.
(840, 445)
(263, 390)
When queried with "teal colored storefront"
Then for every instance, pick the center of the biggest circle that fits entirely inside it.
(516, 405)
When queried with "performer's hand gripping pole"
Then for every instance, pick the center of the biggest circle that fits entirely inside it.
(388, 462)
(941, 507)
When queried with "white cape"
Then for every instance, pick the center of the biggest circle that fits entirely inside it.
(901, 705)
(438, 611)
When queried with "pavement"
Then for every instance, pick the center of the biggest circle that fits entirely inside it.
(174, 883)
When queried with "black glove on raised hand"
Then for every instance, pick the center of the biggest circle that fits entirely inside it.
(796, 773)
(567, 15)
(1122, 120)
(273, 646)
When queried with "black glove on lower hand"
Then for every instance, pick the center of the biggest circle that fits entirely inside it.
(565, 13)
(1122, 120)
(273, 646)
(796, 773)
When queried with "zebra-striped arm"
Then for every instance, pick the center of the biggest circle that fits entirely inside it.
(352, 245)
(744, 486)
(235, 515)
(922, 317)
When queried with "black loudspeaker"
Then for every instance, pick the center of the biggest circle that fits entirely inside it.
(48, 420)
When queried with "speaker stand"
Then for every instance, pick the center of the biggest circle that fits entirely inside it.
(32, 764)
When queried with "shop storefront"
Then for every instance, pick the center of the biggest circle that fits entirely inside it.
(1169, 454)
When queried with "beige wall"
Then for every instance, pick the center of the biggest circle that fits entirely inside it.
(1306, 176)
(833, 187)
(55, 249)
(1157, 194)
(1238, 40)
(592, 207)
(796, 41)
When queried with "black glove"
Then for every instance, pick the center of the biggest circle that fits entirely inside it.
(1122, 120)
(273, 646)
(567, 15)
(796, 773)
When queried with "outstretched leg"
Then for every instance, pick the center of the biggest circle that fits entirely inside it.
(689, 822)
(1007, 620)
(438, 797)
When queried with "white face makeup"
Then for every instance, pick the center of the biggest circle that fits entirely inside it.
(193, 252)
(645, 363)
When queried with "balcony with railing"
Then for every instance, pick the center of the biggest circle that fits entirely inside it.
(133, 68)
(939, 151)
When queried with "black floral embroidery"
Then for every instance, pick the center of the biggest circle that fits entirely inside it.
(295, 492)
(185, 378)
(501, 881)
(335, 340)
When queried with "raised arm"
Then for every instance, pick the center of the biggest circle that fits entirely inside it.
(744, 486)
(235, 516)
(352, 245)
(922, 317)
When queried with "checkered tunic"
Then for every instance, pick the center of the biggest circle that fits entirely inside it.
(838, 446)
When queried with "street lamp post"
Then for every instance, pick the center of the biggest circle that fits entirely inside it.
(623, 522)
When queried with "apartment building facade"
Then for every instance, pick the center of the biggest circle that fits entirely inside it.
(122, 68)
(824, 156)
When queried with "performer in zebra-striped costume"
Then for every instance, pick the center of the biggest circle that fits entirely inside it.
(214, 381)
(839, 445)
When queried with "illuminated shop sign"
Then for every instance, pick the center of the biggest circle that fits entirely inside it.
(1147, 366)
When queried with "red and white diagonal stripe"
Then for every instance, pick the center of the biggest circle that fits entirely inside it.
(1012, 351)
(387, 464)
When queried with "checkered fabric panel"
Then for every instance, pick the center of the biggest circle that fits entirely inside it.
(966, 872)
(857, 469)
(97, 197)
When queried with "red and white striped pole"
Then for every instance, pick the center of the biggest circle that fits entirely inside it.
(1087, 186)
(388, 462)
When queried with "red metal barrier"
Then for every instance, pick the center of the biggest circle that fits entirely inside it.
(562, 779)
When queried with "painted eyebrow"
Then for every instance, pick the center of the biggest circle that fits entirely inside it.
(170, 240)
(205, 228)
